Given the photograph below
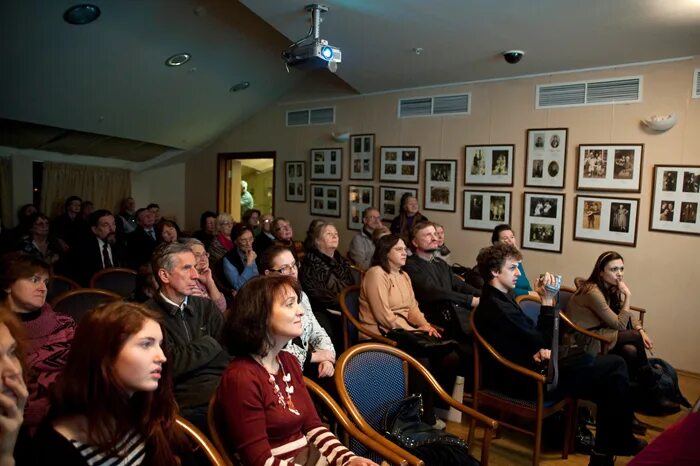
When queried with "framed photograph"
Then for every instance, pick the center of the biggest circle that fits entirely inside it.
(543, 221)
(440, 185)
(399, 164)
(326, 164)
(606, 220)
(362, 156)
(389, 199)
(483, 210)
(489, 165)
(359, 198)
(546, 157)
(294, 181)
(325, 200)
(609, 167)
(674, 207)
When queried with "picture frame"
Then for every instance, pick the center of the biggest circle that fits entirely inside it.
(325, 200)
(489, 165)
(400, 164)
(674, 206)
(361, 156)
(389, 199)
(609, 220)
(484, 210)
(609, 167)
(359, 199)
(543, 221)
(545, 165)
(440, 185)
(326, 164)
(295, 181)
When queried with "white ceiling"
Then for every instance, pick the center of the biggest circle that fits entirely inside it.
(109, 78)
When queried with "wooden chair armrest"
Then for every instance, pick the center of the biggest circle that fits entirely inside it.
(582, 330)
(539, 378)
(360, 328)
(641, 312)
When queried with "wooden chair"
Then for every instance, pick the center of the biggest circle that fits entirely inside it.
(350, 319)
(369, 376)
(201, 441)
(565, 292)
(525, 409)
(217, 430)
(59, 284)
(77, 303)
(117, 279)
(578, 281)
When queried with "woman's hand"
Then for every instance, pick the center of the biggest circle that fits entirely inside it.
(648, 343)
(326, 369)
(432, 331)
(360, 461)
(323, 355)
(542, 355)
(625, 292)
(11, 413)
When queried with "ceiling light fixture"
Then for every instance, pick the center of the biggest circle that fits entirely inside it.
(241, 86)
(178, 59)
(81, 14)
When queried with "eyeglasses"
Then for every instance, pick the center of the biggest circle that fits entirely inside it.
(203, 255)
(286, 269)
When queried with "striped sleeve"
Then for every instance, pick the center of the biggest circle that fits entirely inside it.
(329, 446)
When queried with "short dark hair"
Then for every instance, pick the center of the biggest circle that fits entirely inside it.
(95, 217)
(491, 259)
(496, 235)
(416, 228)
(71, 199)
(249, 213)
(381, 253)
(238, 230)
(270, 254)
(17, 265)
(366, 212)
(203, 218)
(153, 205)
(246, 329)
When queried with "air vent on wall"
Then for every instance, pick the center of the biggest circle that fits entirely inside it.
(595, 92)
(696, 84)
(457, 104)
(312, 116)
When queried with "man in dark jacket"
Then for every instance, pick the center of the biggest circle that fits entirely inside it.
(516, 337)
(100, 249)
(193, 329)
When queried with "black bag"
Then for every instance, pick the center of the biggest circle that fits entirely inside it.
(402, 425)
(667, 381)
(419, 343)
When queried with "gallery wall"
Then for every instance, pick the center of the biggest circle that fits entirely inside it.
(660, 269)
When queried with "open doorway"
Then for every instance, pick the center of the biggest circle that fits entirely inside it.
(257, 169)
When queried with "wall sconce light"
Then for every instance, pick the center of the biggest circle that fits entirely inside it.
(661, 122)
(340, 137)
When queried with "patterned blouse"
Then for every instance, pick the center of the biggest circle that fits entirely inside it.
(313, 336)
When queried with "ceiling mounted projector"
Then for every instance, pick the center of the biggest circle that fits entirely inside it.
(312, 52)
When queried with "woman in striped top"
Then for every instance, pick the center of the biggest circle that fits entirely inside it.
(113, 404)
(270, 418)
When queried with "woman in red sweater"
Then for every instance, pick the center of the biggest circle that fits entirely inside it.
(270, 418)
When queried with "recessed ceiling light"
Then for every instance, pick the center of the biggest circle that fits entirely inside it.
(81, 14)
(241, 86)
(178, 59)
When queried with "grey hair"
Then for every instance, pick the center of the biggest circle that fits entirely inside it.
(223, 217)
(164, 257)
(189, 242)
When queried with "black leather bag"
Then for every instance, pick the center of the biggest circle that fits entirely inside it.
(402, 425)
(419, 343)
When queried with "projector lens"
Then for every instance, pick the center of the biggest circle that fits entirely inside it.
(327, 53)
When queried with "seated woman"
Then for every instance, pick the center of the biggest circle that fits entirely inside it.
(166, 232)
(38, 241)
(270, 418)
(23, 281)
(443, 252)
(324, 274)
(239, 262)
(113, 404)
(504, 234)
(408, 216)
(221, 244)
(205, 284)
(602, 304)
(313, 348)
(207, 228)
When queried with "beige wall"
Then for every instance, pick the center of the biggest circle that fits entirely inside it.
(163, 186)
(660, 270)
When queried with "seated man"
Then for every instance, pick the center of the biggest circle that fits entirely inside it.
(193, 327)
(503, 324)
(100, 250)
(284, 236)
(362, 246)
(264, 239)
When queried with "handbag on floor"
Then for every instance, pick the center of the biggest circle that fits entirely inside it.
(419, 343)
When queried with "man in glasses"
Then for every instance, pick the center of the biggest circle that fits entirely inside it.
(362, 246)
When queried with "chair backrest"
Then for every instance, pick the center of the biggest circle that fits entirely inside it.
(77, 303)
(201, 441)
(350, 303)
(217, 430)
(530, 306)
(120, 280)
(565, 292)
(59, 285)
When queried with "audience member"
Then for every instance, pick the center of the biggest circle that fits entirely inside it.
(517, 338)
(69, 227)
(313, 348)
(127, 215)
(284, 236)
(142, 241)
(309, 241)
(221, 244)
(361, 247)
(24, 280)
(207, 228)
(269, 415)
(155, 209)
(407, 218)
(100, 251)
(247, 201)
(193, 328)
(166, 232)
(86, 208)
(379, 232)
(504, 234)
(252, 219)
(265, 238)
(239, 262)
(602, 305)
(443, 252)
(114, 402)
(13, 392)
(38, 241)
(10, 238)
(206, 286)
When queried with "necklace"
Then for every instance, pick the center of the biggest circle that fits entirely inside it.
(288, 387)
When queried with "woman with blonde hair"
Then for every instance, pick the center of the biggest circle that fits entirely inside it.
(222, 242)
